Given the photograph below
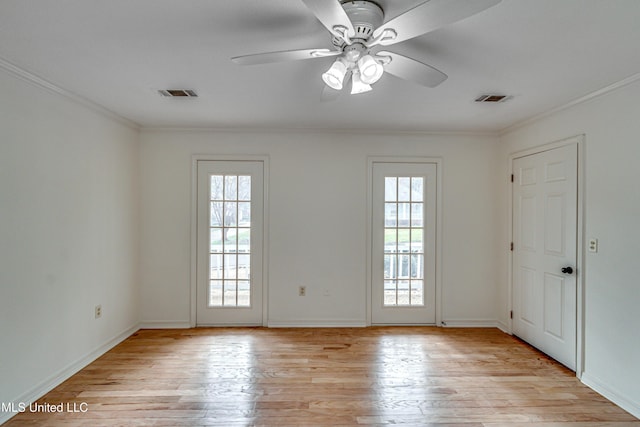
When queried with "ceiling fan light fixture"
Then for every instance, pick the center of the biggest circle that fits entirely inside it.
(370, 69)
(334, 76)
(357, 26)
(357, 85)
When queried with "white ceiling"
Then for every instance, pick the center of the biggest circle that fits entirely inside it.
(118, 53)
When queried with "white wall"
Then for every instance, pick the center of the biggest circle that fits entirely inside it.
(612, 290)
(68, 236)
(318, 187)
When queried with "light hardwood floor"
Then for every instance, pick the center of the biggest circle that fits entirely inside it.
(326, 377)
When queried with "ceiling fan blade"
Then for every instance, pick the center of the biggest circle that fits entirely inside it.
(284, 55)
(331, 14)
(412, 70)
(430, 16)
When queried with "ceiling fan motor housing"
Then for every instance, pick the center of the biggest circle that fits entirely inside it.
(365, 16)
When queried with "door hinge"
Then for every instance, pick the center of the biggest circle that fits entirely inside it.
(512, 178)
(511, 246)
(511, 314)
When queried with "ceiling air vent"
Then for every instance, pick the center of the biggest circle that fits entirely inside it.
(174, 93)
(493, 98)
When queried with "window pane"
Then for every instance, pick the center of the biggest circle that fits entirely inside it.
(390, 215)
(403, 264)
(217, 182)
(244, 188)
(390, 266)
(417, 245)
(244, 240)
(229, 293)
(417, 266)
(230, 214)
(244, 267)
(389, 292)
(230, 245)
(403, 292)
(244, 293)
(404, 214)
(404, 189)
(390, 184)
(417, 214)
(215, 293)
(216, 240)
(417, 292)
(390, 240)
(215, 266)
(217, 213)
(244, 214)
(417, 189)
(230, 187)
(403, 238)
(230, 266)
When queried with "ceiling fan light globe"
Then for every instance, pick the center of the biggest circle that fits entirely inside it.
(334, 76)
(370, 69)
(358, 86)
(332, 81)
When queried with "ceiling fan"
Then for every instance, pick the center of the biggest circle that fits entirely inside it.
(358, 28)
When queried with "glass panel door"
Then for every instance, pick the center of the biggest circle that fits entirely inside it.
(230, 206)
(403, 243)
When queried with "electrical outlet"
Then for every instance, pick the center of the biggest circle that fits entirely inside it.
(98, 311)
(302, 291)
(593, 245)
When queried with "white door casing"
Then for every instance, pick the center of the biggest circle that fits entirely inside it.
(229, 242)
(545, 238)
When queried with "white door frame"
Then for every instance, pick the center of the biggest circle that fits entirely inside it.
(194, 229)
(438, 231)
(579, 142)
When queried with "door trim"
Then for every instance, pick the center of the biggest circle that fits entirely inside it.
(579, 142)
(194, 229)
(438, 231)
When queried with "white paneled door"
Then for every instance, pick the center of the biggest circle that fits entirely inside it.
(230, 201)
(403, 250)
(545, 251)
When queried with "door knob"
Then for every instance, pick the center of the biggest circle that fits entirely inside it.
(567, 270)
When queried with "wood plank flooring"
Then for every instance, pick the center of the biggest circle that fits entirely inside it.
(417, 376)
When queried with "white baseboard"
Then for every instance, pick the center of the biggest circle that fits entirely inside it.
(503, 327)
(610, 393)
(318, 323)
(65, 373)
(315, 323)
(470, 323)
(177, 324)
(330, 323)
(351, 323)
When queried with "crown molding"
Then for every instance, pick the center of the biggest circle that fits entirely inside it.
(588, 97)
(27, 76)
(315, 130)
